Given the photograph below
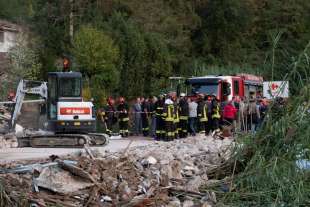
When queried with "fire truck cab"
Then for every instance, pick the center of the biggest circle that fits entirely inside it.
(226, 87)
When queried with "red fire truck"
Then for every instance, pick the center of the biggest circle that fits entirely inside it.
(226, 87)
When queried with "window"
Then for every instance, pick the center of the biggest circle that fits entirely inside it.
(1, 36)
(236, 87)
(52, 87)
(70, 87)
(52, 96)
(205, 89)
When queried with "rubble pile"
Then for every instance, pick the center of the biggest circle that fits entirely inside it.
(160, 174)
(7, 140)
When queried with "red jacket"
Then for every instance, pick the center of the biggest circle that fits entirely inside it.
(229, 111)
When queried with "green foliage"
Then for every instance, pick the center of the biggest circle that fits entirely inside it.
(160, 38)
(145, 61)
(24, 58)
(270, 176)
(96, 56)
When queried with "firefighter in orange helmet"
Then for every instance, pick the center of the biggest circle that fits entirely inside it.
(123, 118)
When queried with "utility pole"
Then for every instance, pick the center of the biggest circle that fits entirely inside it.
(71, 28)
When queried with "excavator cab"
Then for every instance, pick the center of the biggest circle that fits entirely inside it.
(66, 110)
(62, 86)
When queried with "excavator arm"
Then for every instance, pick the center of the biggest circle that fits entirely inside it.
(26, 87)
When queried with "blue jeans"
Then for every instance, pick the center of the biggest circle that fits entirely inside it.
(192, 125)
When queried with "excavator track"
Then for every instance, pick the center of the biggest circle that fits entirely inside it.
(63, 140)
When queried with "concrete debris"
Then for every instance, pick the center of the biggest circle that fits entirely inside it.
(159, 174)
(105, 199)
(188, 203)
(149, 161)
(8, 140)
(194, 184)
(175, 202)
(30, 168)
(60, 181)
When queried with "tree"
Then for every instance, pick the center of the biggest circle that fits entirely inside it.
(24, 56)
(145, 61)
(96, 56)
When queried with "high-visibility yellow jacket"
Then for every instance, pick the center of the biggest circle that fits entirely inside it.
(215, 110)
(202, 111)
(169, 112)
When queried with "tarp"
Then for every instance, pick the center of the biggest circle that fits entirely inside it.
(274, 89)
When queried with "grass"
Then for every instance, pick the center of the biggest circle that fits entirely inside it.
(267, 172)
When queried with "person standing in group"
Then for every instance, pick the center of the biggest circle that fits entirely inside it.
(209, 107)
(192, 106)
(108, 115)
(153, 101)
(216, 115)
(123, 118)
(253, 115)
(183, 112)
(137, 109)
(160, 123)
(263, 108)
(202, 112)
(169, 119)
(229, 114)
(145, 107)
(176, 120)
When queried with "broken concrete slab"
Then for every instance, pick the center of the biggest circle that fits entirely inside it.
(60, 181)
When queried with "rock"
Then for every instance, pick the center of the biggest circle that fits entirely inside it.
(105, 199)
(204, 177)
(213, 197)
(149, 161)
(194, 184)
(175, 169)
(146, 184)
(175, 202)
(124, 191)
(190, 170)
(188, 203)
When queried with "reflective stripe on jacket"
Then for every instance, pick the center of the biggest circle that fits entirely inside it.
(169, 112)
(204, 115)
(216, 112)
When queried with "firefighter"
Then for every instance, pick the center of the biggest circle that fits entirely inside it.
(123, 118)
(202, 114)
(176, 120)
(183, 112)
(160, 124)
(169, 115)
(145, 108)
(215, 115)
(153, 100)
(209, 106)
(108, 115)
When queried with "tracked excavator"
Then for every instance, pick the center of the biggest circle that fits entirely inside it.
(71, 122)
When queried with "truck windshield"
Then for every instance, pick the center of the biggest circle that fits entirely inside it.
(70, 87)
(205, 88)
